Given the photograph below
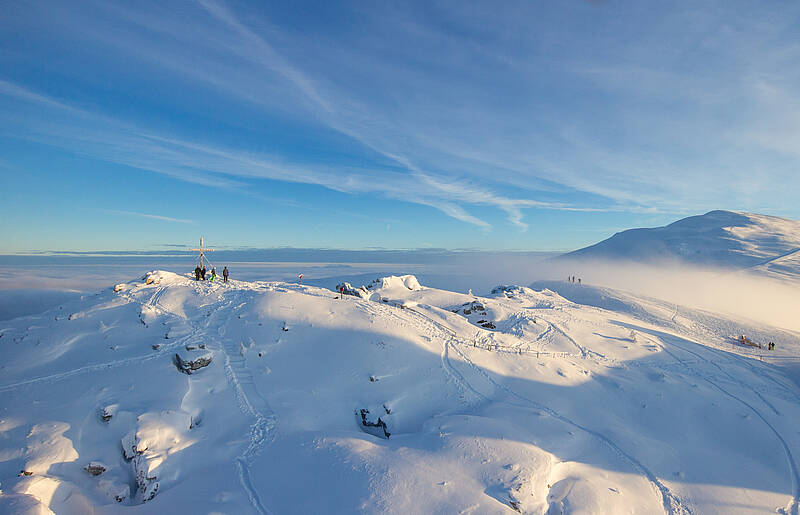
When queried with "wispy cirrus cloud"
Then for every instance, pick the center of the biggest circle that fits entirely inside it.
(120, 142)
(147, 215)
(467, 108)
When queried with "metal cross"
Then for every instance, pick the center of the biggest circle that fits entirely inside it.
(201, 250)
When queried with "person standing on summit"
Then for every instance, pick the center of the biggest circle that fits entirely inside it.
(225, 274)
(197, 273)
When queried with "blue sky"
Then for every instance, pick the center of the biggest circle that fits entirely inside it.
(519, 125)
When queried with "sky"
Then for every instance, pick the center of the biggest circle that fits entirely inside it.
(401, 125)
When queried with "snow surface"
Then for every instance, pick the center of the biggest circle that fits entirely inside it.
(759, 243)
(558, 399)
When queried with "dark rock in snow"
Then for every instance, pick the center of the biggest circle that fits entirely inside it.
(108, 412)
(361, 292)
(367, 424)
(190, 366)
(95, 468)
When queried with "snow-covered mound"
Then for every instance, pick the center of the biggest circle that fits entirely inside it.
(393, 282)
(718, 238)
(168, 395)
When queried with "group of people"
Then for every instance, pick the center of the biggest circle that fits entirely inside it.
(200, 274)
(571, 279)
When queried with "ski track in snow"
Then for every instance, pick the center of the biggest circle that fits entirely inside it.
(671, 503)
(457, 377)
(237, 374)
(162, 350)
(793, 505)
(250, 401)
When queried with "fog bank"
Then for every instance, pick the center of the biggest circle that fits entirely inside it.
(753, 296)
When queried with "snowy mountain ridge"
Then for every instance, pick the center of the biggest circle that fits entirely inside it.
(745, 241)
(167, 394)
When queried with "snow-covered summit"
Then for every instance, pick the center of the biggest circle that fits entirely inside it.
(163, 394)
(718, 238)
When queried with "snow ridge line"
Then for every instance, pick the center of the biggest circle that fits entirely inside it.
(251, 403)
(794, 504)
(671, 503)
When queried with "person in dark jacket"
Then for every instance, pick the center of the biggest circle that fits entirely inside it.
(225, 274)
(203, 273)
(197, 273)
(213, 273)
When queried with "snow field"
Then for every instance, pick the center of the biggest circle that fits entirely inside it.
(530, 403)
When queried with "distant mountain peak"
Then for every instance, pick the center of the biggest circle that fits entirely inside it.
(730, 239)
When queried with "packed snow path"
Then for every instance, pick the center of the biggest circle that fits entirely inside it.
(250, 402)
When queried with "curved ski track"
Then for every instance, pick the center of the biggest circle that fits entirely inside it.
(671, 503)
(794, 504)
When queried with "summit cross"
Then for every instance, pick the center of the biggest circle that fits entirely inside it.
(202, 251)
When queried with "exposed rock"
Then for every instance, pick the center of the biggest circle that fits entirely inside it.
(24, 473)
(469, 308)
(190, 366)
(95, 468)
(156, 276)
(367, 424)
(361, 292)
(108, 412)
(119, 287)
(509, 290)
